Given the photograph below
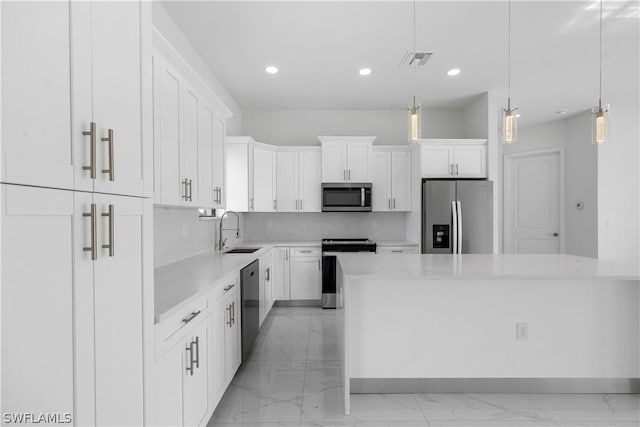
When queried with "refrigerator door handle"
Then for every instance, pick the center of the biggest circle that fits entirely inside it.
(454, 215)
(459, 209)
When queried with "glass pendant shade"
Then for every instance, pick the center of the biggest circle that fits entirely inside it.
(509, 126)
(414, 123)
(600, 124)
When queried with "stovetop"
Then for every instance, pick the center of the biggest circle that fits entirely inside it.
(347, 241)
(348, 245)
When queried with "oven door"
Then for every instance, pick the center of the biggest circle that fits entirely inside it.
(346, 197)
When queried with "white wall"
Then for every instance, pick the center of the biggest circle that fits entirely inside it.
(299, 127)
(163, 22)
(377, 226)
(619, 187)
(581, 171)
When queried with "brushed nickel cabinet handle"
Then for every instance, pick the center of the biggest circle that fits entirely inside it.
(184, 188)
(190, 190)
(190, 317)
(349, 175)
(305, 252)
(190, 350)
(219, 195)
(92, 147)
(301, 204)
(394, 203)
(233, 313)
(197, 359)
(111, 221)
(93, 248)
(286, 255)
(389, 203)
(229, 310)
(451, 169)
(109, 140)
(320, 265)
(457, 173)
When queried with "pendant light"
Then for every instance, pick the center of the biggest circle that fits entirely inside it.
(600, 115)
(509, 118)
(414, 113)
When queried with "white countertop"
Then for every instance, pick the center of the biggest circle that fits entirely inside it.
(305, 243)
(479, 266)
(396, 243)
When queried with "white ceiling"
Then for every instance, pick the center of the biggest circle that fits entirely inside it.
(319, 47)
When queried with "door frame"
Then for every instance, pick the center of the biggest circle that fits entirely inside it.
(507, 161)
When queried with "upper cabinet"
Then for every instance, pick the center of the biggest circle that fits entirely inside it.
(298, 180)
(346, 158)
(391, 179)
(453, 158)
(239, 173)
(188, 135)
(264, 178)
(74, 112)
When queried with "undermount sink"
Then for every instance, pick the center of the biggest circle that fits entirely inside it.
(242, 251)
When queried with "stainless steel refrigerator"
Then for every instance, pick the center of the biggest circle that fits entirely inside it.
(457, 216)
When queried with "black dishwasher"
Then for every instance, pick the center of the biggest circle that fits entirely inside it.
(250, 293)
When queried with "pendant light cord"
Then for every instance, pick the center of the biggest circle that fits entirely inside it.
(600, 88)
(414, 53)
(509, 59)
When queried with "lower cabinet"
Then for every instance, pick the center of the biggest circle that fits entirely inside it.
(306, 274)
(266, 281)
(398, 249)
(198, 351)
(281, 273)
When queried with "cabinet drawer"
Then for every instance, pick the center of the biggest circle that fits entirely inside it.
(306, 251)
(397, 249)
(172, 330)
(226, 287)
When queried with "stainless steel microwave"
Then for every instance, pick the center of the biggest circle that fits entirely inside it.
(346, 197)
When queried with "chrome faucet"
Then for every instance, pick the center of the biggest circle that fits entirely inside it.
(222, 242)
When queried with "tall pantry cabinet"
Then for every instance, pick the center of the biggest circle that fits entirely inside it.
(75, 214)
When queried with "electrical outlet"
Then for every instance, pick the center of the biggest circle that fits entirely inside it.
(522, 331)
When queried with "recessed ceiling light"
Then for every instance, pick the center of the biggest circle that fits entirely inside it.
(453, 72)
(365, 71)
(561, 112)
(271, 69)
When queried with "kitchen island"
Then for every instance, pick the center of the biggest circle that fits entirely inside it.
(487, 323)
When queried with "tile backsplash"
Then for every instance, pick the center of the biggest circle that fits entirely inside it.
(318, 225)
(178, 233)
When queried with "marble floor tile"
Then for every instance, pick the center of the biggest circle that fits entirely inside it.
(571, 401)
(386, 407)
(628, 415)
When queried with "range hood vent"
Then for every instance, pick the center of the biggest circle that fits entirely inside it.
(415, 58)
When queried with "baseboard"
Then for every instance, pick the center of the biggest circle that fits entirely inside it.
(494, 385)
(299, 303)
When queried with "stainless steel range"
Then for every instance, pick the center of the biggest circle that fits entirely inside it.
(329, 264)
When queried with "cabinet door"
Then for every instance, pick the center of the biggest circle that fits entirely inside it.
(36, 139)
(471, 161)
(437, 161)
(167, 135)
(237, 177)
(334, 162)
(195, 376)
(116, 83)
(306, 277)
(287, 182)
(208, 192)
(381, 181)
(118, 285)
(232, 339)
(401, 181)
(310, 174)
(189, 145)
(358, 161)
(217, 369)
(164, 392)
(219, 163)
(263, 179)
(37, 280)
(281, 271)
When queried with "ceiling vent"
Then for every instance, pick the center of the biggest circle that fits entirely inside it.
(415, 58)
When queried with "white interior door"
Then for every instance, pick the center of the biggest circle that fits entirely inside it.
(532, 203)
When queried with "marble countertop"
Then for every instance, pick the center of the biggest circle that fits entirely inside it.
(310, 243)
(480, 266)
(178, 284)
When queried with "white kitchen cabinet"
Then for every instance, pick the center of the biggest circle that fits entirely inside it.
(78, 282)
(266, 297)
(211, 158)
(195, 383)
(391, 180)
(453, 158)
(298, 180)
(73, 109)
(281, 273)
(190, 145)
(264, 178)
(346, 159)
(232, 337)
(219, 184)
(306, 274)
(239, 174)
